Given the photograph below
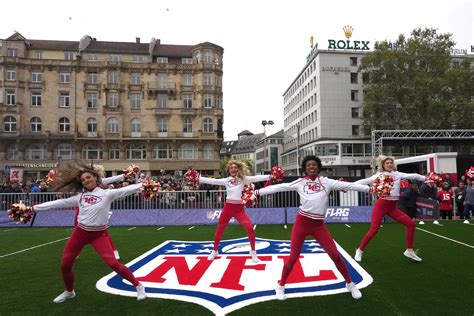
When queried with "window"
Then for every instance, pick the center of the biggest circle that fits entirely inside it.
(187, 125)
(347, 150)
(63, 99)
(35, 125)
(161, 151)
(187, 79)
(326, 150)
(354, 78)
(39, 54)
(187, 61)
(35, 152)
(64, 77)
(91, 100)
(218, 101)
(112, 76)
(162, 125)
(135, 78)
(162, 81)
(64, 125)
(92, 78)
(9, 124)
(68, 55)
(354, 95)
(208, 151)
(11, 74)
(12, 52)
(114, 57)
(36, 76)
(92, 57)
(355, 112)
(162, 100)
(135, 151)
(136, 125)
(207, 79)
(207, 101)
(135, 100)
(187, 151)
(162, 60)
(353, 61)
(36, 99)
(93, 151)
(12, 153)
(208, 57)
(355, 130)
(365, 77)
(91, 125)
(113, 99)
(112, 125)
(187, 101)
(137, 58)
(64, 151)
(114, 151)
(208, 126)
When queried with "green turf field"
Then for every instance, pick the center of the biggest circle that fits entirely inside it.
(442, 284)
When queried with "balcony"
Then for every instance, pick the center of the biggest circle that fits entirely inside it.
(112, 109)
(135, 87)
(9, 108)
(189, 111)
(91, 86)
(114, 87)
(168, 87)
(209, 88)
(35, 85)
(12, 84)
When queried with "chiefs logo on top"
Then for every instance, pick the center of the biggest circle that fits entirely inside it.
(180, 270)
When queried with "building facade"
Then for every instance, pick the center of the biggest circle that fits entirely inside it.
(116, 103)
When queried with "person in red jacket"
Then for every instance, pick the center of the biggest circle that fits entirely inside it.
(445, 197)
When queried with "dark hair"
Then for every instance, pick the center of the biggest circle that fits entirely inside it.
(308, 158)
(70, 176)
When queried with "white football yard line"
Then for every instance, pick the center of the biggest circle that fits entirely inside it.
(254, 226)
(192, 227)
(41, 229)
(31, 248)
(9, 230)
(132, 228)
(160, 228)
(441, 236)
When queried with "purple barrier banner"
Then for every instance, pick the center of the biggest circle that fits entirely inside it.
(339, 214)
(168, 217)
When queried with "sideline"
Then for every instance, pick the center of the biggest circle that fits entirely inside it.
(31, 248)
(441, 236)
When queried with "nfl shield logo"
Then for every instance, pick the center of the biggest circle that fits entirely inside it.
(180, 270)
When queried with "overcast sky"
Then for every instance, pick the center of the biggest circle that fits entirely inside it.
(265, 42)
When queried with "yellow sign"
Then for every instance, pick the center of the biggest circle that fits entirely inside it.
(348, 31)
(311, 41)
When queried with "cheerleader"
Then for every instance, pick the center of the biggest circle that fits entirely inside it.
(233, 207)
(92, 222)
(387, 206)
(314, 192)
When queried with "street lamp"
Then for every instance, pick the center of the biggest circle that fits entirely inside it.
(265, 123)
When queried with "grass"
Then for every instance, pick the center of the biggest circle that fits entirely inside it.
(443, 283)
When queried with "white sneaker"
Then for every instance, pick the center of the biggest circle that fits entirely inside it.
(351, 287)
(412, 255)
(212, 255)
(116, 254)
(255, 259)
(141, 295)
(466, 222)
(280, 292)
(358, 255)
(64, 296)
(421, 223)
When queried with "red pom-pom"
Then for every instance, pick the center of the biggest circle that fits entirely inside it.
(52, 176)
(20, 213)
(131, 172)
(277, 174)
(470, 173)
(150, 189)
(382, 185)
(436, 178)
(248, 195)
(191, 177)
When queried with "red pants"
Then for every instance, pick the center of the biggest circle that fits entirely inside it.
(234, 210)
(110, 239)
(100, 241)
(387, 207)
(303, 227)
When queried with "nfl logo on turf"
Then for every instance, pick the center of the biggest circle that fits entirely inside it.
(180, 270)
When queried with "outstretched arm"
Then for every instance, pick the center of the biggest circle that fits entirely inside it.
(72, 201)
(212, 181)
(282, 187)
(128, 190)
(109, 180)
(344, 186)
(368, 180)
(258, 178)
(412, 176)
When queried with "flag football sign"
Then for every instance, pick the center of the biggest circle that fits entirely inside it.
(179, 270)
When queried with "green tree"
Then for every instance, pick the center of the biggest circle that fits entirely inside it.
(415, 84)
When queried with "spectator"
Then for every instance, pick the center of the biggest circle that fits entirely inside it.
(469, 201)
(429, 190)
(445, 198)
(460, 196)
(410, 200)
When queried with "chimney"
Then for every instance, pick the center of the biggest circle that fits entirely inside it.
(137, 40)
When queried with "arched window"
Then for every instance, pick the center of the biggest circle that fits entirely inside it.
(93, 151)
(208, 125)
(135, 152)
(112, 125)
(64, 125)
(35, 152)
(161, 151)
(9, 123)
(188, 151)
(208, 151)
(64, 152)
(35, 124)
(12, 153)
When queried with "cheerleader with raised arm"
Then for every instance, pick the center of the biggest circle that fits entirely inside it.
(388, 206)
(234, 207)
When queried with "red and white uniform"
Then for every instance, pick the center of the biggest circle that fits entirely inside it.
(397, 176)
(234, 186)
(314, 193)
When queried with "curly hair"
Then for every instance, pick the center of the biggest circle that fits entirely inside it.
(69, 179)
(308, 158)
(381, 160)
(243, 169)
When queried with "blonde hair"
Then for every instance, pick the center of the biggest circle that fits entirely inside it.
(69, 179)
(243, 169)
(381, 160)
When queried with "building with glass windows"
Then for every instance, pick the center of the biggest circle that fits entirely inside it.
(156, 105)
